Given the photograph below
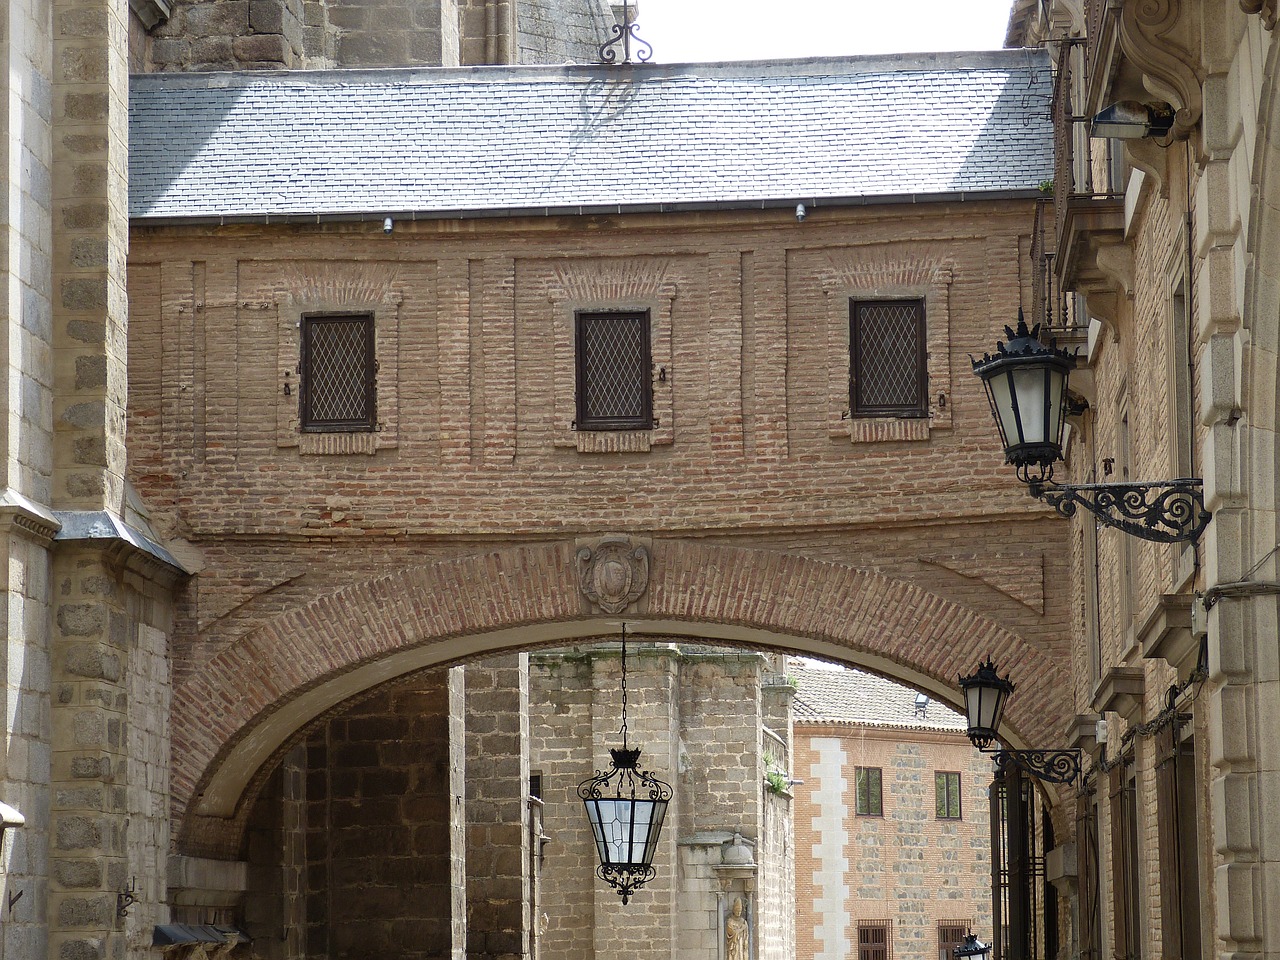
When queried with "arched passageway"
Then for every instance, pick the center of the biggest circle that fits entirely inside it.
(237, 713)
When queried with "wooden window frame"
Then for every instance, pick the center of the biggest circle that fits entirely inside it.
(309, 424)
(583, 419)
(917, 410)
(868, 950)
(946, 944)
(1126, 908)
(939, 783)
(857, 797)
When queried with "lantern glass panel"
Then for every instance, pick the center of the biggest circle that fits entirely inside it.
(1029, 388)
(1002, 405)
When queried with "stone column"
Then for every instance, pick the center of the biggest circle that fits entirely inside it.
(497, 765)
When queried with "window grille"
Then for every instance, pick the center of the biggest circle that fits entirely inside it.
(615, 388)
(947, 795)
(870, 797)
(951, 934)
(887, 359)
(338, 373)
(873, 940)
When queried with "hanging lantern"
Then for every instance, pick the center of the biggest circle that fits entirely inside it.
(1026, 385)
(985, 692)
(626, 807)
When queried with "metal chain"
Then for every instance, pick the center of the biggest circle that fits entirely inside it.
(623, 731)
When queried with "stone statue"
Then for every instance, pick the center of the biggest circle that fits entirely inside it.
(737, 934)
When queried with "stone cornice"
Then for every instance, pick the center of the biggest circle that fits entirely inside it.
(131, 548)
(150, 12)
(21, 515)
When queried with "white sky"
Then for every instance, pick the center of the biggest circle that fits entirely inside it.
(695, 30)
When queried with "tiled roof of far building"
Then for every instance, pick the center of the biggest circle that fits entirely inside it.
(833, 695)
(491, 141)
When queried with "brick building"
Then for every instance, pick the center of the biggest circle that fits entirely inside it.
(892, 823)
(477, 325)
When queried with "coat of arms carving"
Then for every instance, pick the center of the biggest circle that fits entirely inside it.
(613, 573)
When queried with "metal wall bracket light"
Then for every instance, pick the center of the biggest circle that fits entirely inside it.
(1130, 120)
(626, 807)
(624, 33)
(1026, 382)
(985, 692)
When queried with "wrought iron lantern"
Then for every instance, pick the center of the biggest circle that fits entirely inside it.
(985, 693)
(626, 807)
(1026, 385)
(1026, 382)
(972, 947)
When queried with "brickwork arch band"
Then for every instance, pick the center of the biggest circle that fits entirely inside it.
(234, 716)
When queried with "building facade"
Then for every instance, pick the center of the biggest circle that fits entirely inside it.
(893, 845)
(1161, 256)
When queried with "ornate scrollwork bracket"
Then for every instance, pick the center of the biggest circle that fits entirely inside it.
(624, 33)
(1155, 36)
(1051, 766)
(1168, 512)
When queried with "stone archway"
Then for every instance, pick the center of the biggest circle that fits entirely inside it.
(232, 717)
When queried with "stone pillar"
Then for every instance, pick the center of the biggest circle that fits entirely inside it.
(647, 928)
(488, 32)
(497, 776)
(88, 861)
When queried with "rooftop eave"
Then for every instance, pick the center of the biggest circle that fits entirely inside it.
(587, 210)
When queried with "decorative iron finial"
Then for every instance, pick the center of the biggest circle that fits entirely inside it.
(624, 33)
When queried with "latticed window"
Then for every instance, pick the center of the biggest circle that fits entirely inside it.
(873, 940)
(615, 389)
(947, 795)
(338, 373)
(869, 800)
(887, 359)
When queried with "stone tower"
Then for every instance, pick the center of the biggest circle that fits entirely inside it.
(323, 34)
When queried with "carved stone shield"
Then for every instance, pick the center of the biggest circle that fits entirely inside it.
(614, 573)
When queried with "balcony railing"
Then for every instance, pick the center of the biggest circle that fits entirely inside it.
(1081, 212)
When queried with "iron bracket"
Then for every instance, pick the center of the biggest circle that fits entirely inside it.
(1051, 766)
(1167, 512)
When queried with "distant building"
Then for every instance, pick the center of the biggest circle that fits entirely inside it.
(892, 823)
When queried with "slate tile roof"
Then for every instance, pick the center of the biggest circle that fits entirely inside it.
(833, 695)
(484, 141)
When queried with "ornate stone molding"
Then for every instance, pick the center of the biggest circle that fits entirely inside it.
(1153, 37)
(1267, 9)
(21, 515)
(613, 573)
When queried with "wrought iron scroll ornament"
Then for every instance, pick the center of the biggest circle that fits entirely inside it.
(1169, 512)
(624, 33)
(1051, 766)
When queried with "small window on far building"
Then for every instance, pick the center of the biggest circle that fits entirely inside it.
(873, 939)
(947, 795)
(870, 799)
(951, 934)
(338, 373)
(614, 371)
(887, 359)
